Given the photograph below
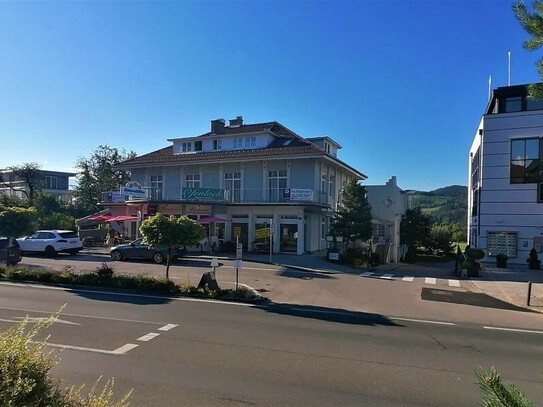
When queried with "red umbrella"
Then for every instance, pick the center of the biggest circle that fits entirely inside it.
(100, 218)
(122, 218)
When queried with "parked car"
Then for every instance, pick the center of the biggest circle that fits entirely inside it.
(138, 250)
(51, 242)
(10, 251)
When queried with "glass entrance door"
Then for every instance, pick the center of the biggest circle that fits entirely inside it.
(289, 237)
(241, 229)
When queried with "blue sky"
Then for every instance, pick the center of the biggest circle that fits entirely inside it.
(401, 85)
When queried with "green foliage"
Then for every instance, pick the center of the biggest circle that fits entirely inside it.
(444, 205)
(96, 175)
(415, 229)
(533, 260)
(353, 218)
(441, 238)
(29, 174)
(475, 254)
(164, 231)
(57, 220)
(16, 221)
(532, 22)
(25, 373)
(497, 394)
(105, 271)
(501, 260)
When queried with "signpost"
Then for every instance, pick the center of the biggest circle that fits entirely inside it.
(237, 266)
(271, 239)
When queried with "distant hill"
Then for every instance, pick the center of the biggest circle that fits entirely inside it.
(445, 205)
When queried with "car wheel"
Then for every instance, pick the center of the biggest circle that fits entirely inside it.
(73, 252)
(116, 255)
(158, 258)
(50, 251)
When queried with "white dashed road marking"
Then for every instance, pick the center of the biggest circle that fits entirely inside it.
(387, 276)
(366, 274)
(148, 337)
(454, 283)
(494, 328)
(430, 280)
(119, 351)
(425, 321)
(408, 278)
(167, 327)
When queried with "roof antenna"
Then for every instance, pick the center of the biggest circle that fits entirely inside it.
(489, 86)
(509, 68)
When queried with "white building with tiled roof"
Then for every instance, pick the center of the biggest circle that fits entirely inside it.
(246, 176)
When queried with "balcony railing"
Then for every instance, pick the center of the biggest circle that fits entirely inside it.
(210, 195)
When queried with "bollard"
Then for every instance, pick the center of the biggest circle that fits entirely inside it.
(529, 292)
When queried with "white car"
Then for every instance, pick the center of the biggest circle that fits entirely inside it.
(51, 242)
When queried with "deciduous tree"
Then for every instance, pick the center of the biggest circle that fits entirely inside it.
(16, 221)
(30, 177)
(97, 174)
(163, 231)
(415, 229)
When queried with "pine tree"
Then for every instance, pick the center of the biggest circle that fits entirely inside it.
(353, 218)
(497, 394)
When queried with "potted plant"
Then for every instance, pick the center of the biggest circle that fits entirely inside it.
(533, 261)
(501, 260)
(472, 264)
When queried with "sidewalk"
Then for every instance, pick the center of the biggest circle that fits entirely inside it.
(509, 285)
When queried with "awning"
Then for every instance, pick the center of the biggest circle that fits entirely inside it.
(123, 218)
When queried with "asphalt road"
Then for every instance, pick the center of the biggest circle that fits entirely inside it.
(218, 354)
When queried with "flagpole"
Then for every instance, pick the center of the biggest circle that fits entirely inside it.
(489, 86)
(509, 68)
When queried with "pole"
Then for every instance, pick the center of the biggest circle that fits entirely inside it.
(237, 278)
(271, 239)
(509, 68)
(529, 293)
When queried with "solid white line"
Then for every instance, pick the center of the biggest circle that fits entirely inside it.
(119, 351)
(387, 276)
(423, 321)
(148, 337)
(113, 293)
(408, 278)
(513, 330)
(454, 283)
(167, 327)
(8, 320)
(430, 280)
(366, 274)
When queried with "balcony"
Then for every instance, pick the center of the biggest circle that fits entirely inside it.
(234, 196)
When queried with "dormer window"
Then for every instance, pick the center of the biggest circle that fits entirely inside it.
(238, 142)
(186, 147)
(217, 144)
(250, 142)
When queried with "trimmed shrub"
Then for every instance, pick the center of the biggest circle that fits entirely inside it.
(475, 254)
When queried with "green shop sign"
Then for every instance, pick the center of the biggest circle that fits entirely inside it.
(203, 194)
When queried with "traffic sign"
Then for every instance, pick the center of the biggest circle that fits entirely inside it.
(239, 251)
(214, 262)
(238, 264)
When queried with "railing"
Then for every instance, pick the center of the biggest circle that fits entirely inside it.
(210, 195)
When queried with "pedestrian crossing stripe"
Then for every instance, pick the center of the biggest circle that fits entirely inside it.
(410, 279)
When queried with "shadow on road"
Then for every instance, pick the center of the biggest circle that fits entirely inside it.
(330, 314)
(119, 297)
(304, 275)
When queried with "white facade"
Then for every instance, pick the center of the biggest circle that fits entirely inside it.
(505, 205)
(388, 205)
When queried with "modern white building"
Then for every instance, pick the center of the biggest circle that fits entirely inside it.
(505, 194)
(388, 204)
(245, 177)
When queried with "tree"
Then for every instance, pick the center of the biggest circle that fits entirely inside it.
(30, 175)
(415, 229)
(532, 22)
(163, 231)
(441, 237)
(353, 217)
(497, 394)
(97, 174)
(15, 221)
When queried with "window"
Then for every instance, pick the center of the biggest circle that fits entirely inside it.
(197, 146)
(232, 185)
(323, 228)
(323, 182)
(513, 104)
(277, 183)
(156, 186)
(217, 144)
(332, 185)
(192, 180)
(525, 165)
(250, 142)
(238, 142)
(475, 163)
(186, 147)
(51, 182)
(475, 203)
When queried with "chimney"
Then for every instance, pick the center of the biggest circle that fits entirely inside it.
(237, 122)
(217, 126)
